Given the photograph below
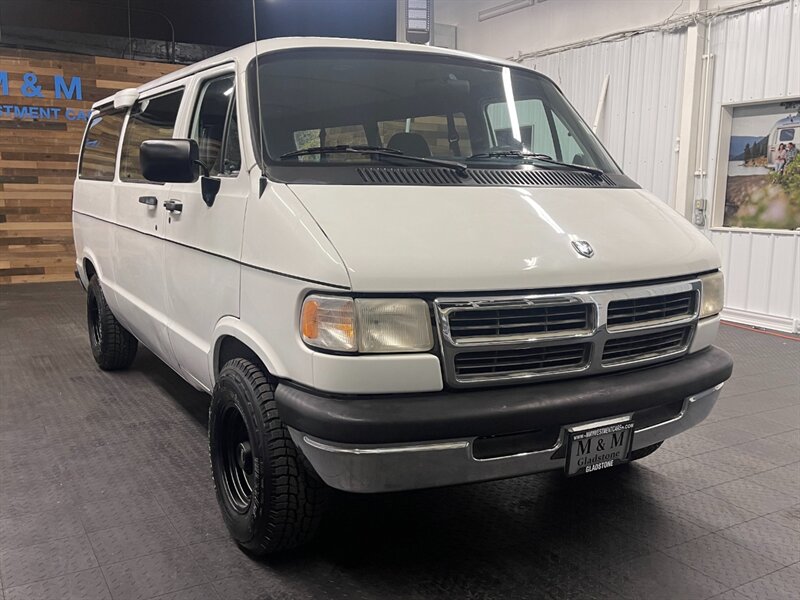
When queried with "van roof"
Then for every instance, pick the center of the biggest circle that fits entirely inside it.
(243, 54)
(790, 120)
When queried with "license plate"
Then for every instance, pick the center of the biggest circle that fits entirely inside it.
(596, 446)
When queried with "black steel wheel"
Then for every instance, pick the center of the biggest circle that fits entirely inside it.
(236, 455)
(270, 497)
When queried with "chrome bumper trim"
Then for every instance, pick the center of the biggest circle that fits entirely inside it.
(385, 450)
(385, 468)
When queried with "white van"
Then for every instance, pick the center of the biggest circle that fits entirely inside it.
(785, 131)
(383, 281)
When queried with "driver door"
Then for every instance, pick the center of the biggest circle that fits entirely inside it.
(204, 241)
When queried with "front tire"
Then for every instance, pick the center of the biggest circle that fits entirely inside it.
(113, 346)
(270, 497)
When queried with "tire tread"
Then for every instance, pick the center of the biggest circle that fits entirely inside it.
(298, 496)
(118, 346)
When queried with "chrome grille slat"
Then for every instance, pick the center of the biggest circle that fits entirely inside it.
(641, 346)
(516, 320)
(510, 363)
(554, 353)
(634, 311)
(566, 319)
(544, 312)
(523, 366)
(510, 339)
(517, 325)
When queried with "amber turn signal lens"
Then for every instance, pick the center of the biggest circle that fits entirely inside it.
(310, 327)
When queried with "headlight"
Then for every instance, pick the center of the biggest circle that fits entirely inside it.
(712, 295)
(366, 324)
(401, 325)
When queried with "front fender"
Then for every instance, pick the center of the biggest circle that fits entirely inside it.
(236, 328)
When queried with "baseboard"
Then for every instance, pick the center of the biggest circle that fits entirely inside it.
(757, 319)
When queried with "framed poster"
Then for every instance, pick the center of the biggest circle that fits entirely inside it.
(762, 185)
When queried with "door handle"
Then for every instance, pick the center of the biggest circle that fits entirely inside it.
(148, 200)
(173, 205)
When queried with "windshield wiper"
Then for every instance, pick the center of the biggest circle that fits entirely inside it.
(546, 158)
(376, 151)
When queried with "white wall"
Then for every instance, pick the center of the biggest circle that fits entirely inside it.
(553, 22)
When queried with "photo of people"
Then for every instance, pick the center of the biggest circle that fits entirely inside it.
(763, 185)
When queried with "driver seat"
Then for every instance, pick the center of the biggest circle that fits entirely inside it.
(412, 144)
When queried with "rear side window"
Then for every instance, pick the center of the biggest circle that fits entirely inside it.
(99, 153)
(787, 135)
(151, 119)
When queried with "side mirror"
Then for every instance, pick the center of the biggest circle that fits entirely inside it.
(170, 160)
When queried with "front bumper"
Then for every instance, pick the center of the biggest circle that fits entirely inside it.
(391, 443)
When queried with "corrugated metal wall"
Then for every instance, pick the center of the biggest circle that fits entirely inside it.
(641, 117)
(762, 272)
(756, 57)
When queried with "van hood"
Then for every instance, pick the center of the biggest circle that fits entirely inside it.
(454, 239)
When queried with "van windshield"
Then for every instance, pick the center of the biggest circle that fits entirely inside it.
(418, 104)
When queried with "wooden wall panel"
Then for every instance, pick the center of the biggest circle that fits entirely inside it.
(38, 158)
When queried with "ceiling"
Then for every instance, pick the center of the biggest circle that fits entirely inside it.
(219, 22)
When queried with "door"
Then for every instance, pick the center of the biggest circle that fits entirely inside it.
(141, 218)
(204, 241)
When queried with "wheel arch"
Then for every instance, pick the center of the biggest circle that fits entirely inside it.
(89, 266)
(233, 339)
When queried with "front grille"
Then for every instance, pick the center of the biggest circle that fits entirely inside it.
(520, 321)
(515, 363)
(640, 311)
(490, 340)
(648, 345)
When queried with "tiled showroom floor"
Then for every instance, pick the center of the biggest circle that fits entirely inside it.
(105, 492)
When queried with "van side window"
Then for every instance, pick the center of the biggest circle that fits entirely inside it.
(150, 119)
(213, 126)
(232, 151)
(99, 153)
(787, 135)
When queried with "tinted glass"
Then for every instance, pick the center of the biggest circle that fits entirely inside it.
(433, 128)
(211, 118)
(151, 119)
(310, 90)
(787, 135)
(99, 154)
(329, 136)
(536, 133)
(232, 159)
